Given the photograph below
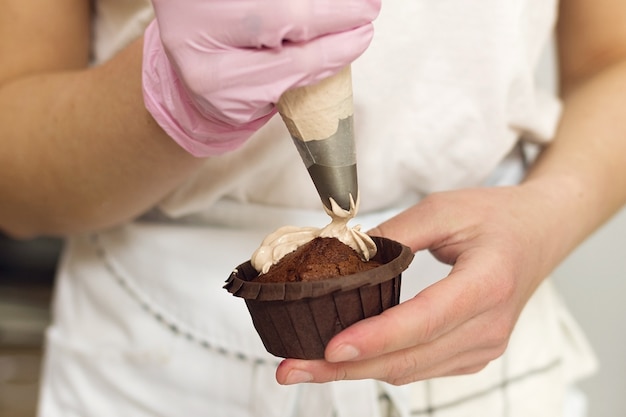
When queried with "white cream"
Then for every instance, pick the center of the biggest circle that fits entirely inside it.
(289, 238)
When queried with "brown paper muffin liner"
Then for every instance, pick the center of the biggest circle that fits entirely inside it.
(298, 319)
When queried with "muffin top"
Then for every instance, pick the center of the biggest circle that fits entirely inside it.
(321, 258)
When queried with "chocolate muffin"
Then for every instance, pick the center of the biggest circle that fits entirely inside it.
(321, 258)
(311, 301)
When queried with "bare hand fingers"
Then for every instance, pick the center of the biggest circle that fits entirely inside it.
(441, 357)
(434, 312)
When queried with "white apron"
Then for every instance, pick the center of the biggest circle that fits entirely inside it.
(141, 332)
(142, 326)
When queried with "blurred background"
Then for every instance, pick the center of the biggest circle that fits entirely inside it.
(26, 277)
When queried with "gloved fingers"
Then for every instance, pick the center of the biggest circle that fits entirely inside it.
(303, 20)
(263, 75)
(232, 24)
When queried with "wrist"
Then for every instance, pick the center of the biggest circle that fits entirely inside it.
(565, 208)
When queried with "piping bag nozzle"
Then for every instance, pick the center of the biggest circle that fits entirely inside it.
(319, 118)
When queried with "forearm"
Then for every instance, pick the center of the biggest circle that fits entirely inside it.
(581, 177)
(80, 151)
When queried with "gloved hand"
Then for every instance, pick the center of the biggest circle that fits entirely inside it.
(212, 70)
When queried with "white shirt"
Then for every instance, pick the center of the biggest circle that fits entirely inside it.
(142, 326)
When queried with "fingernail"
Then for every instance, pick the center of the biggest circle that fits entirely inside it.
(297, 376)
(343, 353)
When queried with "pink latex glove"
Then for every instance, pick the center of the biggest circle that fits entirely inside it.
(212, 70)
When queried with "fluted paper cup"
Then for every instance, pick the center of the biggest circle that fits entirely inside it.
(298, 319)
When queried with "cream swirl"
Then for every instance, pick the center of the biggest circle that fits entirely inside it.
(289, 238)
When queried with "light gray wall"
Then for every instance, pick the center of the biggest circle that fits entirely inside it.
(593, 283)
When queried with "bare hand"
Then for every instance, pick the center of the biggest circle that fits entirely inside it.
(498, 242)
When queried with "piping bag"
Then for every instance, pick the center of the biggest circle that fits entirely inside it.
(319, 118)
